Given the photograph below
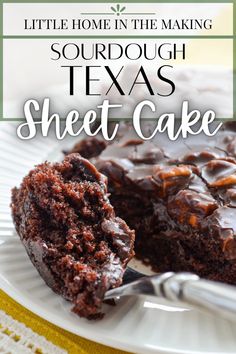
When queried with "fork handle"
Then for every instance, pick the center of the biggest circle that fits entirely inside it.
(212, 296)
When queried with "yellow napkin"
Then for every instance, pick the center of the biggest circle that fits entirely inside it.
(66, 340)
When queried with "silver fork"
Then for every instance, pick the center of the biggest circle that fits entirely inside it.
(188, 288)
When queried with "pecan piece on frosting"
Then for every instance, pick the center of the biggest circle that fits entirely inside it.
(170, 179)
(190, 207)
(220, 173)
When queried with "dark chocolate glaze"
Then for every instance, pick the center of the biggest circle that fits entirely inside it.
(179, 196)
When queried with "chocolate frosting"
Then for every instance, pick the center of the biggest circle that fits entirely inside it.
(195, 176)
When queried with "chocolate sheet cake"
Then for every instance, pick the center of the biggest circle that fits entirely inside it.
(70, 231)
(179, 196)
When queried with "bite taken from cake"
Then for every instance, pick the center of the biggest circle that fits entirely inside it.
(71, 233)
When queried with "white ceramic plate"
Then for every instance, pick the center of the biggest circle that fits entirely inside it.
(139, 325)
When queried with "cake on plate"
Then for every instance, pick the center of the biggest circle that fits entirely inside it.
(71, 233)
(178, 196)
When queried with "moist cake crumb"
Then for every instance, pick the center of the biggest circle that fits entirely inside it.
(71, 233)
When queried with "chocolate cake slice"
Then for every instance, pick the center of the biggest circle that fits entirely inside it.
(69, 229)
(179, 196)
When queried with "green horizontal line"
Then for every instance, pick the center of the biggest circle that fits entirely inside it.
(123, 14)
(116, 37)
(97, 13)
(138, 13)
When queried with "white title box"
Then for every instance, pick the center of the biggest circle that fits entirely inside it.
(117, 19)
